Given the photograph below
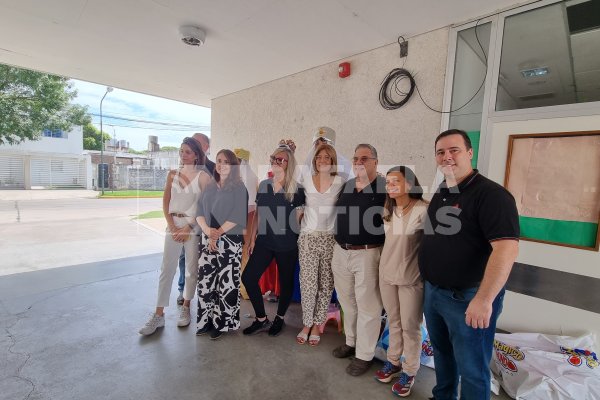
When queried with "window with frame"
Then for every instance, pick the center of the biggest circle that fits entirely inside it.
(550, 56)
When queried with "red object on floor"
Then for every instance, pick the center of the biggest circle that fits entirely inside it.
(270, 280)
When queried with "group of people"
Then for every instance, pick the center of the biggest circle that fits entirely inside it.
(372, 238)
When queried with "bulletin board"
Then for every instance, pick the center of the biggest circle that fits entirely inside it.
(555, 179)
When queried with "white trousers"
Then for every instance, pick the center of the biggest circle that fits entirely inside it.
(356, 279)
(170, 263)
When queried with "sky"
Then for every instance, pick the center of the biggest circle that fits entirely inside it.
(176, 120)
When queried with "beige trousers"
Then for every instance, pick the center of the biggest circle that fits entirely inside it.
(404, 307)
(356, 279)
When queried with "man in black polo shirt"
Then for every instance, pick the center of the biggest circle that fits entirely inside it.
(359, 235)
(467, 252)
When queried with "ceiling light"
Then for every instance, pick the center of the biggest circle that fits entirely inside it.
(535, 72)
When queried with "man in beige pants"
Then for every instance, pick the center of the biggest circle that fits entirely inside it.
(359, 235)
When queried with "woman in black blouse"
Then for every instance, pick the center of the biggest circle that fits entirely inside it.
(275, 236)
(222, 214)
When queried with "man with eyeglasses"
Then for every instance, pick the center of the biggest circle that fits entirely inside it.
(359, 235)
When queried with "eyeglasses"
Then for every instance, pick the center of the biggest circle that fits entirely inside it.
(362, 160)
(278, 160)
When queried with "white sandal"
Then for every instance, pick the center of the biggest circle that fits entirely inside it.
(314, 340)
(301, 338)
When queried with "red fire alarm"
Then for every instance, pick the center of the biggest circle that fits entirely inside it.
(344, 69)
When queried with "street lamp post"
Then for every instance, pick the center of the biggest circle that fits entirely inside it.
(108, 90)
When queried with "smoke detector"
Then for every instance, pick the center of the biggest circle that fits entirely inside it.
(192, 35)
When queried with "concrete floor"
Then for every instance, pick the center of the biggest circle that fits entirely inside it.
(71, 333)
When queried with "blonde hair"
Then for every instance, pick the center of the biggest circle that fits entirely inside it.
(289, 186)
(331, 153)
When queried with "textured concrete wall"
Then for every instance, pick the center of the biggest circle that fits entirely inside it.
(292, 107)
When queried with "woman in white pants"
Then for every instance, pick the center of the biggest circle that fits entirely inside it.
(180, 200)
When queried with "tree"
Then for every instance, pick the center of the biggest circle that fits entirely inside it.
(133, 151)
(32, 101)
(169, 148)
(91, 137)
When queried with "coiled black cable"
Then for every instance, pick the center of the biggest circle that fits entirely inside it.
(392, 85)
(397, 75)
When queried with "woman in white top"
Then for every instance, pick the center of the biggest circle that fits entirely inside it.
(180, 200)
(400, 282)
(316, 242)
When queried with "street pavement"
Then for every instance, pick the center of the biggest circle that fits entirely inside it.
(42, 232)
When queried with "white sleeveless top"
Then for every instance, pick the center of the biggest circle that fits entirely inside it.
(184, 200)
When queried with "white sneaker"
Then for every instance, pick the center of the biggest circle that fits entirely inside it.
(184, 317)
(155, 322)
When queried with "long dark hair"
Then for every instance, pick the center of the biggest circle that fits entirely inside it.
(415, 192)
(195, 146)
(234, 173)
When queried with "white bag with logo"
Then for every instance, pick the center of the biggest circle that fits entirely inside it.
(534, 366)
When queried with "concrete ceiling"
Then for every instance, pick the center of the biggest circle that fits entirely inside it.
(135, 44)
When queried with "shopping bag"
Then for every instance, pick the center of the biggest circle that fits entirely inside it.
(535, 366)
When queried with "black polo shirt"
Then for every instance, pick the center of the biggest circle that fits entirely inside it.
(218, 205)
(461, 223)
(359, 214)
(278, 227)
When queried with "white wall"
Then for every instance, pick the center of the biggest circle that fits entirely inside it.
(294, 106)
(524, 313)
(73, 144)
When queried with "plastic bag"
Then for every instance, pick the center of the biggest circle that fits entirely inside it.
(426, 349)
(535, 366)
